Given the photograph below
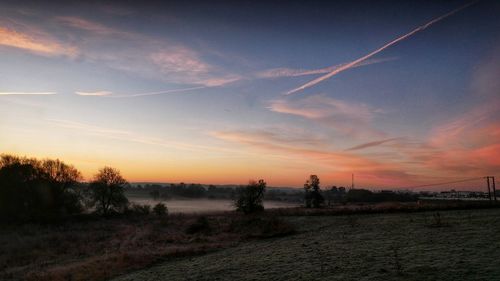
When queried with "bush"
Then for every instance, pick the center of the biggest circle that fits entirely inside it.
(250, 198)
(160, 210)
(201, 225)
(141, 210)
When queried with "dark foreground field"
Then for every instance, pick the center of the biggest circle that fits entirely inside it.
(367, 242)
(456, 245)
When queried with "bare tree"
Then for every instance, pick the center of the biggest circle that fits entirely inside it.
(106, 191)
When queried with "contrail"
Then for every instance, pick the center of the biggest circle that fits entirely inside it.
(363, 58)
(27, 93)
(158, 93)
(291, 72)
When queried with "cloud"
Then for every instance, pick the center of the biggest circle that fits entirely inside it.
(371, 144)
(352, 119)
(27, 93)
(96, 94)
(129, 136)
(90, 26)
(185, 65)
(467, 145)
(291, 72)
(290, 148)
(140, 54)
(41, 43)
(369, 55)
(282, 136)
(148, 56)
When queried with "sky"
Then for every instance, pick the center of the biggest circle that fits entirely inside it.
(398, 93)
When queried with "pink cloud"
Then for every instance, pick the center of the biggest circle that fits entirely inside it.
(39, 43)
(352, 119)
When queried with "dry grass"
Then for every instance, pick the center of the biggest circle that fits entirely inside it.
(392, 247)
(93, 248)
(98, 249)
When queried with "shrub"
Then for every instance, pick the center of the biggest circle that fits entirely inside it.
(141, 210)
(160, 210)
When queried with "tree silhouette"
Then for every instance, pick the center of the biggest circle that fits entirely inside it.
(106, 191)
(32, 189)
(313, 197)
(250, 198)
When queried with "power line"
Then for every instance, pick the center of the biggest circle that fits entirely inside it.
(442, 183)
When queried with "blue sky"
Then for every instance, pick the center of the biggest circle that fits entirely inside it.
(197, 91)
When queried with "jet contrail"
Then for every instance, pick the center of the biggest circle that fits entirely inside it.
(291, 72)
(158, 93)
(26, 93)
(363, 58)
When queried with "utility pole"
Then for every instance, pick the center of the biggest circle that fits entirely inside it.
(494, 189)
(488, 184)
(352, 181)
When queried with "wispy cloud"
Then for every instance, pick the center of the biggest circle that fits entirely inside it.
(187, 66)
(371, 144)
(142, 55)
(86, 25)
(268, 144)
(352, 119)
(369, 55)
(27, 93)
(42, 44)
(129, 136)
(146, 55)
(95, 94)
(292, 72)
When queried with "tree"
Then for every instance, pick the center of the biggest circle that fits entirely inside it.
(250, 197)
(106, 191)
(34, 189)
(63, 179)
(312, 190)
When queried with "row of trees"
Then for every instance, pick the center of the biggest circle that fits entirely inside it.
(193, 190)
(32, 189)
(315, 197)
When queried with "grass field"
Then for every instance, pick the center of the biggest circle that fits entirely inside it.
(456, 245)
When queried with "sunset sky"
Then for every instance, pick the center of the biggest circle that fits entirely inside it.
(400, 93)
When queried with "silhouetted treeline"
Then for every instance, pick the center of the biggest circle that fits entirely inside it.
(31, 189)
(44, 190)
(182, 190)
(341, 195)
